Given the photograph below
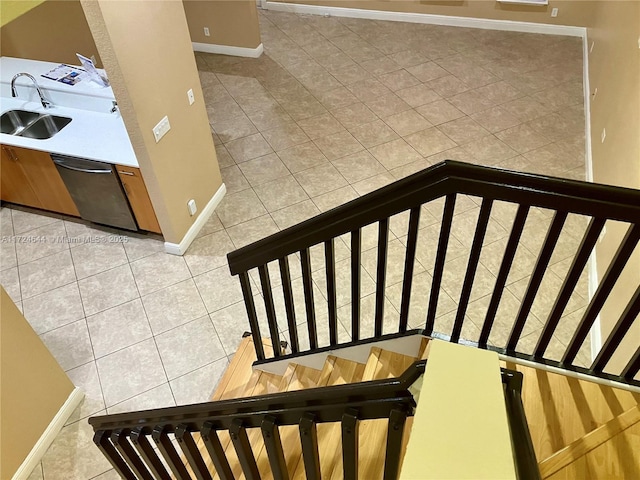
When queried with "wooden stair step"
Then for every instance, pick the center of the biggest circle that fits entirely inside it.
(591, 441)
(260, 383)
(381, 364)
(386, 364)
(296, 377)
(240, 380)
(423, 353)
(561, 410)
(301, 378)
(267, 383)
(336, 371)
(233, 380)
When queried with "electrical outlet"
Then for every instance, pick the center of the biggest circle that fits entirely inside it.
(554, 12)
(206, 32)
(603, 135)
(190, 96)
(593, 44)
(161, 128)
(192, 207)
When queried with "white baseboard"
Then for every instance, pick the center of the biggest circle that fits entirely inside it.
(596, 329)
(451, 21)
(228, 50)
(190, 236)
(49, 435)
(587, 109)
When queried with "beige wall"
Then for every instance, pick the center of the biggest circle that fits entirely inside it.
(146, 50)
(53, 32)
(614, 69)
(33, 387)
(570, 12)
(233, 22)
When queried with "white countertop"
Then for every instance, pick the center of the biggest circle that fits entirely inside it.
(9, 66)
(93, 133)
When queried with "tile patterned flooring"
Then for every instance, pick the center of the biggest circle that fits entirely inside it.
(334, 109)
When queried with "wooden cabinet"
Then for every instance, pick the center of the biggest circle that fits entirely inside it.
(14, 182)
(138, 197)
(29, 177)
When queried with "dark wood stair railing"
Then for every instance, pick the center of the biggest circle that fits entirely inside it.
(448, 180)
(126, 438)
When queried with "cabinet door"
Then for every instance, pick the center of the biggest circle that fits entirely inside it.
(14, 181)
(138, 198)
(46, 181)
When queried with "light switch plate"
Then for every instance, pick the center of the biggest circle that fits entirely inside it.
(161, 128)
(190, 96)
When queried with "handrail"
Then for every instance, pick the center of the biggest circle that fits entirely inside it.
(224, 411)
(615, 203)
(568, 202)
(117, 435)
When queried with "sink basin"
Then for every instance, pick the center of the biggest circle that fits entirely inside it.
(45, 127)
(31, 124)
(15, 121)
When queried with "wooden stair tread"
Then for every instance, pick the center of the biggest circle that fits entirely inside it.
(423, 353)
(336, 371)
(244, 355)
(302, 378)
(560, 410)
(385, 364)
(592, 441)
(241, 380)
(296, 377)
(373, 433)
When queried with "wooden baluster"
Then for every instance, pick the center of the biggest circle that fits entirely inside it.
(272, 321)
(289, 304)
(472, 266)
(273, 445)
(101, 439)
(443, 241)
(191, 451)
(242, 446)
(536, 278)
(148, 453)
(169, 453)
(309, 443)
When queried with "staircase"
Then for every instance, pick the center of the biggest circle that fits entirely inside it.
(334, 397)
(336, 371)
(346, 420)
(575, 426)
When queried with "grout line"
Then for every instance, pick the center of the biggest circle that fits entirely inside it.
(155, 343)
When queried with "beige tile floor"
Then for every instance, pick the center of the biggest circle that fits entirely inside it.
(334, 109)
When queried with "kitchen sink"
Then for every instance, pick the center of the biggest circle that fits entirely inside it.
(15, 121)
(31, 124)
(45, 127)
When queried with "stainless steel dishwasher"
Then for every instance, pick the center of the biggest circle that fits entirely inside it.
(96, 191)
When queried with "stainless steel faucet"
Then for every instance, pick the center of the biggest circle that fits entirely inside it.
(14, 93)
